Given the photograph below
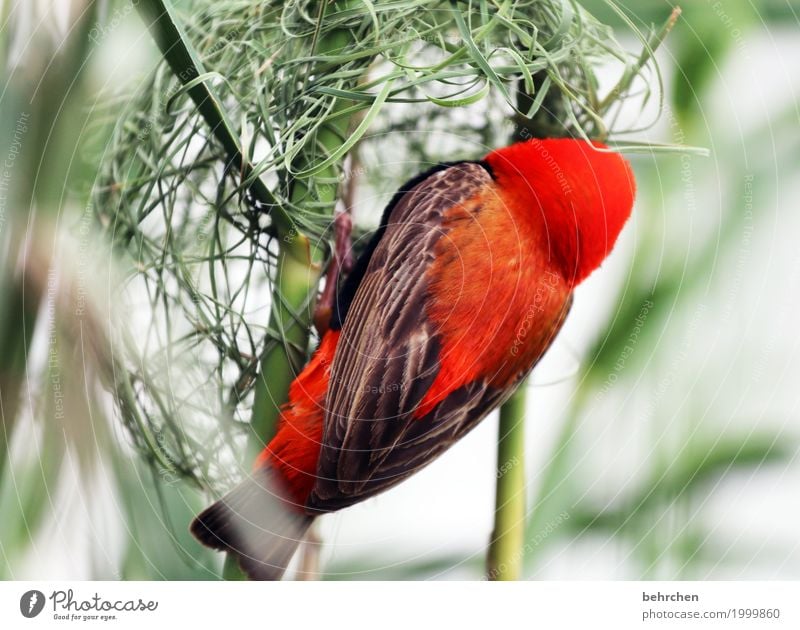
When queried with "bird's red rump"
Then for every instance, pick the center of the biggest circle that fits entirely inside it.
(294, 450)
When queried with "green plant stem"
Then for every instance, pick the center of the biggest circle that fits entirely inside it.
(505, 549)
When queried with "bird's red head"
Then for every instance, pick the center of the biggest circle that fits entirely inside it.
(581, 192)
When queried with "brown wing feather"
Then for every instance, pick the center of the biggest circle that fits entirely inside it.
(387, 355)
(455, 416)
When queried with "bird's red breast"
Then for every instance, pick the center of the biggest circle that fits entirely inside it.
(459, 295)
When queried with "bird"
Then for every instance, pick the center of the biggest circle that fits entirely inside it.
(459, 293)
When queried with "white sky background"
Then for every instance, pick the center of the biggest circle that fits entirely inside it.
(448, 506)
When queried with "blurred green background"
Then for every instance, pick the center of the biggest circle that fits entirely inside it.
(663, 430)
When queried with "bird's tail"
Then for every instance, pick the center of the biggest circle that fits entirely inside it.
(256, 523)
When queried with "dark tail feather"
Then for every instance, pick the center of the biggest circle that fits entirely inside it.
(256, 524)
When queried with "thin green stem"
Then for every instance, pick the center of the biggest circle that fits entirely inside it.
(506, 547)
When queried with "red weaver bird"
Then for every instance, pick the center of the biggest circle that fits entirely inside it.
(458, 295)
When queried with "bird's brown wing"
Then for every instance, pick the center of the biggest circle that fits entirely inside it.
(374, 463)
(388, 356)
(388, 352)
(428, 437)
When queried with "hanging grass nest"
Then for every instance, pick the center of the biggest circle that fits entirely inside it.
(201, 199)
